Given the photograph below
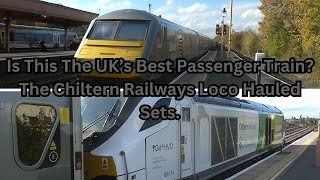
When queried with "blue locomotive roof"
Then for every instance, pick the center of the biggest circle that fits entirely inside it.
(236, 102)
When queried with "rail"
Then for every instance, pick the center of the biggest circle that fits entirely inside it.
(242, 57)
(295, 133)
(11, 80)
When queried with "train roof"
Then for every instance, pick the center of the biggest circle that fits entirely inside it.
(134, 14)
(129, 14)
(239, 103)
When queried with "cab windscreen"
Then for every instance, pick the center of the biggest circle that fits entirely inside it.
(119, 30)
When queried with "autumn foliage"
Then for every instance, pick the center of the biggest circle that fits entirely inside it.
(289, 28)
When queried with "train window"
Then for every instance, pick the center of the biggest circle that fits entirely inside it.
(39, 37)
(34, 124)
(30, 37)
(104, 30)
(48, 38)
(224, 136)
(71, 37)
(149, 123)
(61, 38)
(18, 37)
(232, 138)
(132, 30)
(218, 140)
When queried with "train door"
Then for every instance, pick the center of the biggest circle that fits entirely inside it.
(186, 139)
(56, 39)
(268, 139)
(2, 40)
(164, 42)
(40, 137)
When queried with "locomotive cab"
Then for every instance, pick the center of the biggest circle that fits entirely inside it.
(115, 39)
(115, 148)
(212, 133)
(131, 34)
(99, 123)
(120, 34)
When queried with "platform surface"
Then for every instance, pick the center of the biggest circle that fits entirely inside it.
(304, 167)
(283, 165)
(21, 55)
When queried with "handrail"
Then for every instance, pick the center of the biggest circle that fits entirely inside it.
(123, 154)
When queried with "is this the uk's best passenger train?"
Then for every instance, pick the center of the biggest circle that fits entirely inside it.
(131, 34)
(213, 135)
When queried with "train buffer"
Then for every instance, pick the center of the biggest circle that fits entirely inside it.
(296, 161)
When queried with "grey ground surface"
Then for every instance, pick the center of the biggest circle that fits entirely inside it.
(304, 167)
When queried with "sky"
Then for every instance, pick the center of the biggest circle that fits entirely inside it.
(199, 15)
(307, 105)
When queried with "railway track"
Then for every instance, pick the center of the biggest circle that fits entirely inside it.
(296, 133)
(270, 78)
(291, 135)
(12, 80)
(40, 79)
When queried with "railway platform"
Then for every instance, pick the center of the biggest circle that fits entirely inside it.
(11, 80)
(296, 161)
(50, 54)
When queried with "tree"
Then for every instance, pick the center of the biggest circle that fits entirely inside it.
(249, 42)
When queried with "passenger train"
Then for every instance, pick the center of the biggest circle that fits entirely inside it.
(93, 138)
(213, 135)
(131, 34)
(26, 37)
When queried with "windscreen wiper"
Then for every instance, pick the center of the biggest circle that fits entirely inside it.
(103, 116)
(111, 112)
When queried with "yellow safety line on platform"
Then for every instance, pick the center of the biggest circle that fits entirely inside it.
(301, 152)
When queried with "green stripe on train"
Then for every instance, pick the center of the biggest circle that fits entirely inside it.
(276, 129)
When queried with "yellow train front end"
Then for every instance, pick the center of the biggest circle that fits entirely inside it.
(96, 167)
(114, 39)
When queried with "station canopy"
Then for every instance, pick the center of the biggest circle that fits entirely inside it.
(40, 11)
